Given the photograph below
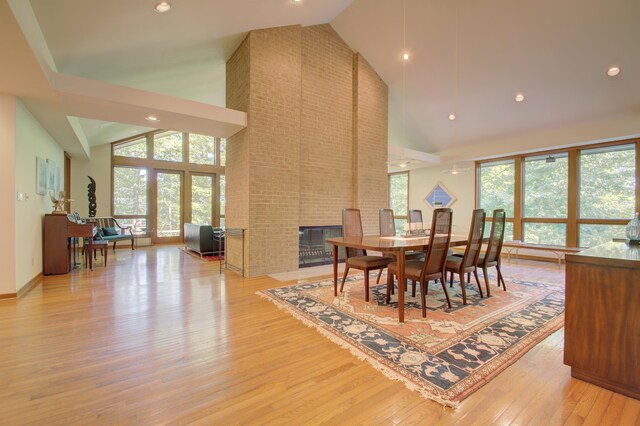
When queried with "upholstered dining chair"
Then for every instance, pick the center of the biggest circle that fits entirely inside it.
(358, 259)
(491, 257)
(432, 268)
(415, 216)
(467, 263)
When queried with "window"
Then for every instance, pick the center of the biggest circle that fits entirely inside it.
(202, 199)
(399, 199)
(223, 152)
(129, 191)
(136, 148)
(202, 149)
(167, 146)
(581, 196)
(496, 190)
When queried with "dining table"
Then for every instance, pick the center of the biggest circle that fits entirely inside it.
(398, 245)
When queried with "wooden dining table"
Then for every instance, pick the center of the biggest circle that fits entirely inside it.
(397, 245)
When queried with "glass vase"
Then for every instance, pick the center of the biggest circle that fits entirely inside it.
(633, 230)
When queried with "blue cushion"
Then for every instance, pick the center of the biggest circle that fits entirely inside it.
(109, 231)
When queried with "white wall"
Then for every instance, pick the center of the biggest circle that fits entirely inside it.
(31, 141)
(99, 168)
(7, 193)
(462, 186)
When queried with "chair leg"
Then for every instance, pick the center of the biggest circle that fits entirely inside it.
(389, 286)
(132, 246)
(423, 297)
(366, 285)
(501, 278)
(475, 274)
(486, 280)
(114, 245)
(379, 275)
(450, 279)
(468, 277)
(413, 290)
(344, 277)
(106, 252)
(463, 286)
(444, 288)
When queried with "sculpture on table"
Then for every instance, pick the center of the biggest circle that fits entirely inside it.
(58, 203)
(92, 197)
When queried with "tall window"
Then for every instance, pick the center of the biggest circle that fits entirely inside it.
(130, 185)
(496, 191)
(580, 196)
(136, 148)
(546, 182)
(202, 149)
(223, 203)
(607, 188)
(399, 198)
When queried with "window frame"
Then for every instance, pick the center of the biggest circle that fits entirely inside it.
(153, 166)
(572, 221)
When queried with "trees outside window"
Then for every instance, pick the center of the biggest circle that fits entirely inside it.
(399, 199)
(579, 197)
(202, 149)
(167, 146)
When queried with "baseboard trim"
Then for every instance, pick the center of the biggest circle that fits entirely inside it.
(30, 285)
(8, 296)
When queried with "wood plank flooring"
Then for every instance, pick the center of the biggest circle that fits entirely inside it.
(160, 337)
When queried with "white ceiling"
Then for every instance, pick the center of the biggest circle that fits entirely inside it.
(556, 52)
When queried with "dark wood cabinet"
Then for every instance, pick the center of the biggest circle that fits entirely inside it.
(602, 318)
(57, 230)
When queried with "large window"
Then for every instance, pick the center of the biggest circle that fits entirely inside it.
(580, 196)
(399, 198)
(163, 179)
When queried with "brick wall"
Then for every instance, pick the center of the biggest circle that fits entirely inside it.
(326, 148)
(316, 140)
(370, 144)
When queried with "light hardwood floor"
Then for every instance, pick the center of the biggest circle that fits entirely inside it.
(160, 337)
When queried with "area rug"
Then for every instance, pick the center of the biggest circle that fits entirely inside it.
(205, 257)
(447, 356)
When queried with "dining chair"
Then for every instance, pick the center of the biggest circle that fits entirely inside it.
(467, 263)
(432, 268)
(358, 259)
(388, 229)
(494, 248)
(415, 216)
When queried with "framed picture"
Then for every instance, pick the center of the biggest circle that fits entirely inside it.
(41, 176)
(51, 175)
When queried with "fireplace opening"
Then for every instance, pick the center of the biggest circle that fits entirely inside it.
(313, 251)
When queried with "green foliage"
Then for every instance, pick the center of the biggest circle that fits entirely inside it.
(607, 184)
(135, 149)
(546, 188)
(497, 184)
(168, 146)
(201, 199)
(129, 191)
(169, 196)
(399, 194)
(202, 149)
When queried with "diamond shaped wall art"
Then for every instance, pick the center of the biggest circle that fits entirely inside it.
(439, 196)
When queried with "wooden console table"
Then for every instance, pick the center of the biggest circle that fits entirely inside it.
(602, 318)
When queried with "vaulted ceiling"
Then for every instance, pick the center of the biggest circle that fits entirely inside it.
(467, 57)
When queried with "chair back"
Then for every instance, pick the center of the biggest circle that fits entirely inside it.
(352, 227)
(387, 223)
(476, 234)
(415, 216)
(439, 240)
(497, 236)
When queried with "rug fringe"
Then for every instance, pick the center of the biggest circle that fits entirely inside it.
(386, 371)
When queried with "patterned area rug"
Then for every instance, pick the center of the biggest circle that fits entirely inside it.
(448, 355)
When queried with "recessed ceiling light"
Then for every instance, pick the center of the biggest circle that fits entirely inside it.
(519, 97)
(405, 56)
(296, 1)
(403, 165)
(151, 118)
(162, 7)
(613, 71)
(452, 117)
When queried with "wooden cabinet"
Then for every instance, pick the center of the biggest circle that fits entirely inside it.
(602, 318)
